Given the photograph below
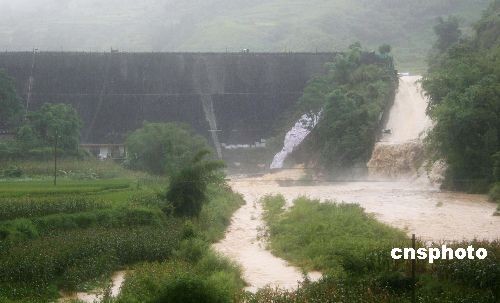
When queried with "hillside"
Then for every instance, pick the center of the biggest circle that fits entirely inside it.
(220, 25)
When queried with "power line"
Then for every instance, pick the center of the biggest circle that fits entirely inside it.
(169, 94)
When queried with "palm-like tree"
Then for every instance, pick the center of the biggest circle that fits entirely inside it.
(188, 187)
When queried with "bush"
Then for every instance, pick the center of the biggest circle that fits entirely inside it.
(21, 229)
(191, 289)
(12, 172)
(331, 237)
(163, 148)
(495, 193)
(188, 188)
(482, 274)
(209, 278)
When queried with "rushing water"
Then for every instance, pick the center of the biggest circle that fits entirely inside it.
(399, 152)
(294, 137)
(407, 118)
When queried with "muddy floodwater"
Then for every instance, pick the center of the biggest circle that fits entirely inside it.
(98, 295)
(416, 208)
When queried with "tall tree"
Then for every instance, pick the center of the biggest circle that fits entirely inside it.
(188, 187)
(10, 105)
(42, 127)
(464, 90)
(163, 148)
(448, 32)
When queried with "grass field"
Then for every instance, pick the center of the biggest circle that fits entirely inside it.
(74, 235)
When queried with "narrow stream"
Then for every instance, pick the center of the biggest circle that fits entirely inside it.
(117, 280)
(244, 244)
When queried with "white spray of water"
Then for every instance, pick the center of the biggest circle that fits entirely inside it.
(294, 137)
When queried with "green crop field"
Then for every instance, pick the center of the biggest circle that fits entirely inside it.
(74, 235)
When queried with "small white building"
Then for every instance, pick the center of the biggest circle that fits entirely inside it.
(106, 151)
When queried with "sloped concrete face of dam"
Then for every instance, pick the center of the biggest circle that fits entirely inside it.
(115, 92)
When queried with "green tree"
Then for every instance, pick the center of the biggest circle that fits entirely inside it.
(188, 187)
(42, 127)
(163, 148)
(384, 49)
(448, 32)
(352, 96)
(10, 105)
(464, 90)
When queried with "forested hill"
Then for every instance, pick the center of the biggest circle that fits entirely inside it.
(463, 84)
(217, 25)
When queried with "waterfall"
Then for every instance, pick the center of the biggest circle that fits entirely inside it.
(294, 137)
(208, 109)
(400, 150)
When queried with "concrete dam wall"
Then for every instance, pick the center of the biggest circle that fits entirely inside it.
(232, 98)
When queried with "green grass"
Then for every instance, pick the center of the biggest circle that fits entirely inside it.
(9, 189)
(329, 237)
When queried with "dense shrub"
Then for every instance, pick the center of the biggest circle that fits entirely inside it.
(10, 104)
(495, 194)
(163, 148)
(331, 290)
(188, 187)
(482, 274)
(204, 278)
(12, 172)
(331, 237)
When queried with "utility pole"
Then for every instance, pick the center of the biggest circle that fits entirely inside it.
(55, 160)
(413, 269)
